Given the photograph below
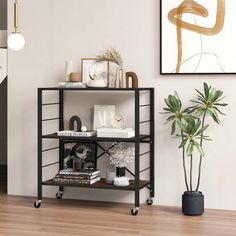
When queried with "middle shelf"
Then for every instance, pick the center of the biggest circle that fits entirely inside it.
(143, 138)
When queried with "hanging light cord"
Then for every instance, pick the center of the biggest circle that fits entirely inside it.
(16, 16)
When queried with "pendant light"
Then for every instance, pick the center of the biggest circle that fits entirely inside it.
(16, 40)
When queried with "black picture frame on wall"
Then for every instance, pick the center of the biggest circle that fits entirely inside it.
(168, 43)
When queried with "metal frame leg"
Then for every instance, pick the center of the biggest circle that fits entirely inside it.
(137, 149)
(61, 127)
(152, 144)
(39, 145)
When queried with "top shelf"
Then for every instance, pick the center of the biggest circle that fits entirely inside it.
(96, 89)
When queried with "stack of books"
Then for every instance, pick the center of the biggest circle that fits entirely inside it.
(69, 84)
(83, 177)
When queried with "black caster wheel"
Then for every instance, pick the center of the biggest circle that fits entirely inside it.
(149, 201)
(59, 195)
(37, 204)
(134, 211)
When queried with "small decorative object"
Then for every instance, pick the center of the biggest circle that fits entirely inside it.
(118, 121)
(93, 73)
(110, 175)
(120, 171)
(75, 120)
(103, 114)
(112, 55)
(120, 81)
(68, 69)
(120, 156)
(84, 128)
(134, 80)
(189, 125)
(121, 181)
(96, 82)
(75, 77)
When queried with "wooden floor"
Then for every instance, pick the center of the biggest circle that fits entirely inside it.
(63, 217)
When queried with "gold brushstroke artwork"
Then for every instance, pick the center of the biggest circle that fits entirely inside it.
(190, 6)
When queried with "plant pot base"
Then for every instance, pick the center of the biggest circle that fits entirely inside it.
(193, 203)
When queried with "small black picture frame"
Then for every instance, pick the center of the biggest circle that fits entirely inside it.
(90, 149)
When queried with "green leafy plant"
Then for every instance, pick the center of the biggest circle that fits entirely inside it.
(190, 123)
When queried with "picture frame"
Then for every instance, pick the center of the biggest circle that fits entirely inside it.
(193, 44)
(90, 67)
(103, 115)
(91, 159)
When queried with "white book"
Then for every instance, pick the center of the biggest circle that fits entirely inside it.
(115, 133)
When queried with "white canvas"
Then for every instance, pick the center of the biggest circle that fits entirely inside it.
(201, 53)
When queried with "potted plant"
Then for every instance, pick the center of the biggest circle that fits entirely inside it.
(189, 125)
(120, 157)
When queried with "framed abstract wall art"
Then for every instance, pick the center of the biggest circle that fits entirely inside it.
(198, 37)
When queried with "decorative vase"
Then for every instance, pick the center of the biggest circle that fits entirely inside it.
(78, 164)
(110, 175)
(120, 81)
(193, 203)
(120, 171)
(99, 83)
(75, 77)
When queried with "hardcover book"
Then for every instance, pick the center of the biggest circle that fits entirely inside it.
(70, 133)
(71, 172)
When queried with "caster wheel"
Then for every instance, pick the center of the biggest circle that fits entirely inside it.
(59, 195)
(37, 204)
(134, 211)
(149, 201)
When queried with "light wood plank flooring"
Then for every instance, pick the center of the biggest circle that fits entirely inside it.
(64, 217)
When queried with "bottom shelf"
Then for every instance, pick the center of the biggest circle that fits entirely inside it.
(100, 185)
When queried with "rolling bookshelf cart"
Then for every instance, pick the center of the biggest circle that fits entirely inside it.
(135, 185)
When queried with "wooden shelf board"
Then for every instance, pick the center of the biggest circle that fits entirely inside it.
(100, 185)
(142, 138)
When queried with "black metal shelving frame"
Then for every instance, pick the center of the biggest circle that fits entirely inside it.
(135, 185)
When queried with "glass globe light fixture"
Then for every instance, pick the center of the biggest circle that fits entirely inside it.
(16, 40)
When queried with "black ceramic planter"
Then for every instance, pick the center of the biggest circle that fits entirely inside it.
(120, 171)
(193, 203)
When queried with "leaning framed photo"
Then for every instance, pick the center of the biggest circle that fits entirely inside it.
(197, 37)
(88, 153)
(103, 115)
(91, 69)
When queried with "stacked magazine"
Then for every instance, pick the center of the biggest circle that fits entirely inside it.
(83, 177)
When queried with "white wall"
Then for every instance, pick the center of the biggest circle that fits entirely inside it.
(71, 29)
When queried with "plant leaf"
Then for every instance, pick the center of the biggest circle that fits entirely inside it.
(173, 127)
(183, 143)
(199, 148)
